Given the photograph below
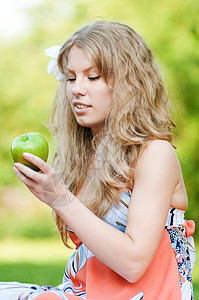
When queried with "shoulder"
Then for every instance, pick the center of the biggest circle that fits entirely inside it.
(159, 145)
(158, 150)
(159, 157)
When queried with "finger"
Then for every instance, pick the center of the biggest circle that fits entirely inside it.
(27, 181)
(37, 161)
(28, 172)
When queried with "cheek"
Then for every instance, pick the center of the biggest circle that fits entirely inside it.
(104, 101)
(108, 97)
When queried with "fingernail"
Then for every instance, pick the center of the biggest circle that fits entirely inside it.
(26, 154)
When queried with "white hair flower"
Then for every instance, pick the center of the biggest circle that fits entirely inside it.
(52, 67)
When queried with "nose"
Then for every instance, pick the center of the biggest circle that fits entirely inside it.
(79, 87)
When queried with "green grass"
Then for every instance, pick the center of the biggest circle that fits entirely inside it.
(42, 274)
(33, 261)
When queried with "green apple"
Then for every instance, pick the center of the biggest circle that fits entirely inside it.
(32, 142)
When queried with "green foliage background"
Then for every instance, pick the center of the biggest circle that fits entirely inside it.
(170, 28)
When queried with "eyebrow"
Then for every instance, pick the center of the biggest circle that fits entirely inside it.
(86, 70)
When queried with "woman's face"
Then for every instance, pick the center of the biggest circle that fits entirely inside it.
(89, 95)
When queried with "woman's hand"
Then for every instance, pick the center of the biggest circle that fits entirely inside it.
(46, 185)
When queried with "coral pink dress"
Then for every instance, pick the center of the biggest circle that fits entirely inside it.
(168, 277)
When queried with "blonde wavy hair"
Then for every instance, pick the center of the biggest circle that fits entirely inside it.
(139, 113)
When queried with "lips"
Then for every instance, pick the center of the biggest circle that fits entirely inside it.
(78, 103)
(81, 107)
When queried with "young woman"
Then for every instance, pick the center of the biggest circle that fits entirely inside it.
(116, 186)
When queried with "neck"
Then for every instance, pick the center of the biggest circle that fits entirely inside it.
(98, 133)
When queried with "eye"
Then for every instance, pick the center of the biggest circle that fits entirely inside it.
(71, 79)
(93, 78)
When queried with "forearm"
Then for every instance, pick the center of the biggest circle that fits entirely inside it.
(111, 246)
